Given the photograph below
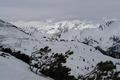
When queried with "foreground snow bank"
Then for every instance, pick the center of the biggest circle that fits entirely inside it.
(13, 69)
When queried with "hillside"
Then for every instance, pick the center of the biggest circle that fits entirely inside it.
(80, 37)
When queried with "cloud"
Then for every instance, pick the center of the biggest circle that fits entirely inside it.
(43, 9)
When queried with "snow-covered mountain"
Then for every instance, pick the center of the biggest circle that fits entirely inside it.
(80, 37)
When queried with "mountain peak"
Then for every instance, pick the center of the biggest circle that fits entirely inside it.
(107, 23)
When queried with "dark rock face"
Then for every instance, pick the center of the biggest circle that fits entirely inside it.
(110, 52)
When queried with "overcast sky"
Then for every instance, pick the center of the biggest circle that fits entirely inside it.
(12, 10)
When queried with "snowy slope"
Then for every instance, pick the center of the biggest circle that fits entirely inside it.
(14, 69)
(11, 34)
(72, 35)
(81, 52)
(14, 37)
